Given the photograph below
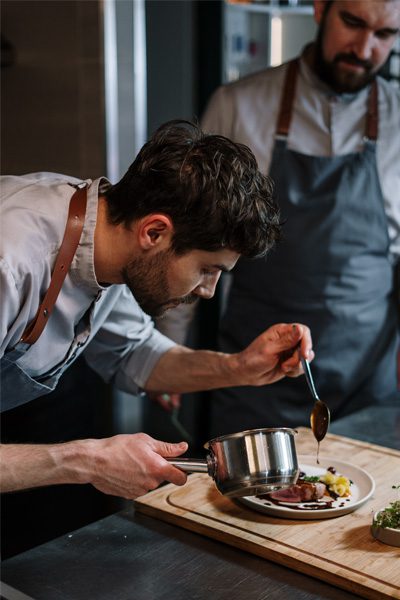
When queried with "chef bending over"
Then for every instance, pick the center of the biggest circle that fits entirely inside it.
(86, 264)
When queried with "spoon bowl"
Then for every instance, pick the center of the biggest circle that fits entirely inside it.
(319, 419)
(320, 414)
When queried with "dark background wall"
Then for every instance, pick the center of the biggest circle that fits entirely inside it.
(52, 108)
(183, 57)
(52, 78)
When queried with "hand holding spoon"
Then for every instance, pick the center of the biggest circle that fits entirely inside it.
(320, 415)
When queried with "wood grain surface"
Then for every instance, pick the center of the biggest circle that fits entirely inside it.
(340, 551)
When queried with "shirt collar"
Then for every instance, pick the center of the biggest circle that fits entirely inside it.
(82, 268)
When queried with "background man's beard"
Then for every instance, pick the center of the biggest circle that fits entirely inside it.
(339, 80)
(147, 280)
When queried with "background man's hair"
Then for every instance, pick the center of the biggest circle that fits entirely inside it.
(210, 187)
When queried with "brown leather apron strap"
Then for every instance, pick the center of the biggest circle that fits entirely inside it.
(288, 93)
(371, 127)
(287, 99)
(72, 235)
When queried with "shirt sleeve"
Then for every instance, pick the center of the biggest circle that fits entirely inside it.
(127, 346)
(219, 114)
(10, 305)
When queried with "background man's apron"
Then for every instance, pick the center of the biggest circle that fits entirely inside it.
(331, 272)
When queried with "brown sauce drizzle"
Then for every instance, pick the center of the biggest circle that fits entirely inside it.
(310, 506)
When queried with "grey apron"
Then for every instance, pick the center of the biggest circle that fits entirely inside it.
(331, 272)
(17, 386)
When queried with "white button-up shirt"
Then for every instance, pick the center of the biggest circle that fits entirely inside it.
(323, 124)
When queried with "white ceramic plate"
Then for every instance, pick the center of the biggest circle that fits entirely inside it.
(362, 488)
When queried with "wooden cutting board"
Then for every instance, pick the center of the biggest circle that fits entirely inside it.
(340, 551)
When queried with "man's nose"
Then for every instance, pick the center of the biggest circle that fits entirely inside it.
(364, 44)
(207, 288)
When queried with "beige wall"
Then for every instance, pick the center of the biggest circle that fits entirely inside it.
(52, 96)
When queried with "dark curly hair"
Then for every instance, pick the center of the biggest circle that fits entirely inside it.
(209, 186)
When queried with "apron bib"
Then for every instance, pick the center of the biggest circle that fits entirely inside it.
(330, 272)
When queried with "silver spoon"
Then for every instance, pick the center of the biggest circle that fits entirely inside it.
(320, 415)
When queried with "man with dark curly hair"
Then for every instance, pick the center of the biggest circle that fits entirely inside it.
(187, 208)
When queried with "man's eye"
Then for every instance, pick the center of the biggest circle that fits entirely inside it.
(350, 22)
(207, 272)
(383, 34)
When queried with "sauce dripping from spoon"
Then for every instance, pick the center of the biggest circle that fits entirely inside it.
(320, 415)
(319, 419)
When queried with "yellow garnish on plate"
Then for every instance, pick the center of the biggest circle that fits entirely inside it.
(338, 484)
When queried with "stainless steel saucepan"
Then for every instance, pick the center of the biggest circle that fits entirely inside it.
(248, 463)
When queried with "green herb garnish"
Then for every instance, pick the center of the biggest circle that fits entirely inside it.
(311, 478)
(389, 517)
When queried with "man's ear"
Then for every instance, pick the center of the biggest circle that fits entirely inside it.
(155, 231)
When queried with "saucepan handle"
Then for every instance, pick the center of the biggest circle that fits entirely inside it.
(189, 465)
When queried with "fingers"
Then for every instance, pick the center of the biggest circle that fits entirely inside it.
(292, 366)
(167, 401)
(293, 338)
(167, 449)
(174, 475)
(162, 399)
(297, 336)
(169, 472)
(305, 341)
(292, 341)
(175, 400)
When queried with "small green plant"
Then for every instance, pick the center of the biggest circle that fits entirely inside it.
(390, 516)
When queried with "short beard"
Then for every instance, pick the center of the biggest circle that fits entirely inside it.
(331, 74)
(148, 281)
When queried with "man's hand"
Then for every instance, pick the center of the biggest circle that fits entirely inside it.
(123, 465)
(274, 354)
(131, 465)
